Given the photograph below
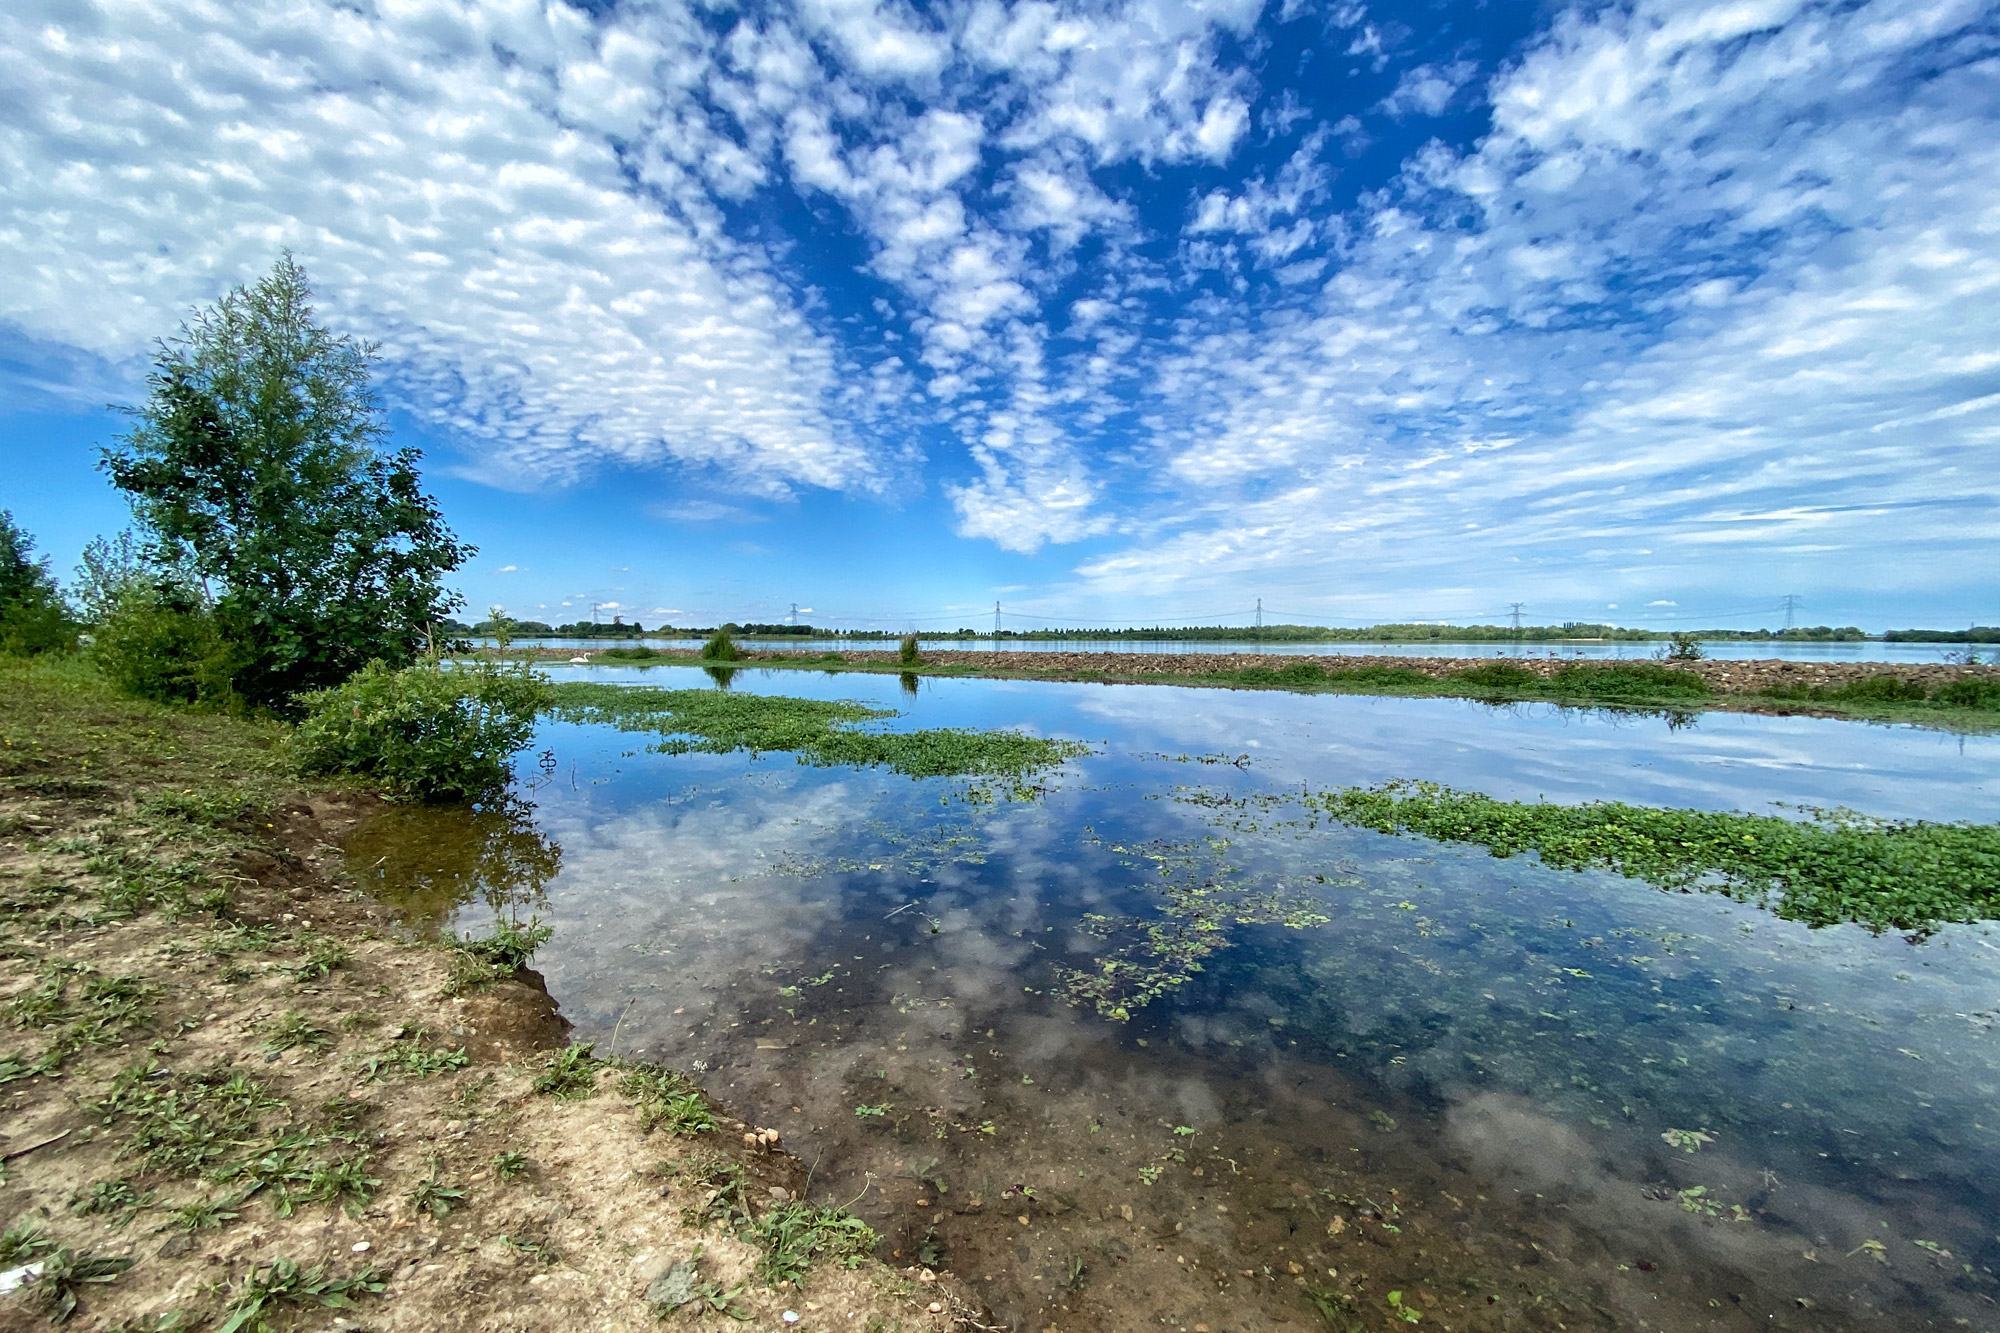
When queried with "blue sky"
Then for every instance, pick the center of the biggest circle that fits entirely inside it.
(1125, 311)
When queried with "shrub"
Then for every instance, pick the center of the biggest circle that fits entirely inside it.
(1384, 677)
(1683, 648)
(165, 645)
(1970, 694)
(1628, 680)
(640, 654)
(1499, 676)
(1882, 689)
(906, 652)
(721, 648)
(423, 731)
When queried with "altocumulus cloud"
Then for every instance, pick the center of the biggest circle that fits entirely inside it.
(1236, 291)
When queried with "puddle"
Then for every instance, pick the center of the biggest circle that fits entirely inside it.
(1354, 1064)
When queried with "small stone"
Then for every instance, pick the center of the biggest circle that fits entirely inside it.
(790, 1316)
(1125, 1211)
(937, 1307)
(780, 1193)
(923, 1203)
(359, 1247)
(1022, 1219)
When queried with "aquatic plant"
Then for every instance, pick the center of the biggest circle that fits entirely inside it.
(1199, 899)
(1883, 874)
(820, 732)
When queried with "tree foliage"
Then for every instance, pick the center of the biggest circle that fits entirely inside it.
(32, 616)
(258, 466)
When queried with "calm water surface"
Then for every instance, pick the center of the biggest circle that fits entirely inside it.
(1417, 1068)
(1728, 648)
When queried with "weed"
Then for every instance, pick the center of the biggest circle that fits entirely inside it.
(414, 1055)
(465, 1099)
(1332, 1306)
(433, 1196)
(510, 1165)
(1499, 676)
(259, 1294)
(65, 1273)
(293, 1029)
(1402, 1311)
(667, 1098)
(866, 1111)
(321, 959)
(906, 651)
(539, 1250)
(511, 944)
(721, 648)
(114, 1197)
(571, 1074)
(23, 1241)
(204, 1214)
(795, 1236)
(1076, 1273)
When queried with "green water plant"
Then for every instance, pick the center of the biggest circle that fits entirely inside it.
(1837, 866)
(819, 731)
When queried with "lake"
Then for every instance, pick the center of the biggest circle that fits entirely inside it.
(1733, 649)
(1150, 1046)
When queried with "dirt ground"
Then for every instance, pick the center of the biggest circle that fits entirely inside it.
(234, 1096)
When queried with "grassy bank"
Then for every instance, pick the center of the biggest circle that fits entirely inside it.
(237, 1097)
(1968, 700)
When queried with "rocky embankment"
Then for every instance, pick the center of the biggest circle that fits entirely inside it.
(1757, 676)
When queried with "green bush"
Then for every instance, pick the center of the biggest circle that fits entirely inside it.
(1628, 680)
(906, 651)
(1883, 689)
(1970, 694)
(1382, 677)
(1499, 676)
(641, 654)
(166, 647)
(721, 648)
(423, 731)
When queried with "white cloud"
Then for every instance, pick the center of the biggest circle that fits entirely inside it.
(442, 173)
(506, 569)
(1696, 291)
(1427, 89)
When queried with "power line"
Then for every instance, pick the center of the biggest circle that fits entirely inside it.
(1516, 613)
(1791, 601)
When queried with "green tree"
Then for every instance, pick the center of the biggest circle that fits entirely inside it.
(258, 466)
(32, 616)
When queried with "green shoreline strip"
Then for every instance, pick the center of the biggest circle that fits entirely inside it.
(1886, 875)
(820, 732)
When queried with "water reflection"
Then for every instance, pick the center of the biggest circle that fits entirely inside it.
(1393, 1064)
(723, 676)
(438, 861)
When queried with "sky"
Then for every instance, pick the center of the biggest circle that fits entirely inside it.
(1126, 312)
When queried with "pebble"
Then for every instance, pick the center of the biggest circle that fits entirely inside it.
(359, 1247)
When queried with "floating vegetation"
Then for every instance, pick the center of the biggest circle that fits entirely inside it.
(1200, 899)
(1909, 875)
(819, 732)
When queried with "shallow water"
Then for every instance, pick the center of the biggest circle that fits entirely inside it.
(1449, 1076)
(1733, 649)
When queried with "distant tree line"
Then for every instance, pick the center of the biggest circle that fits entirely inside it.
(1977, 634)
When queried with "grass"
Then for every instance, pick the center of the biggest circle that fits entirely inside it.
(819, 732)
(571, 1074)
(667, 1098)
(795, 1236)
(257, 1299)
(1909, 875)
